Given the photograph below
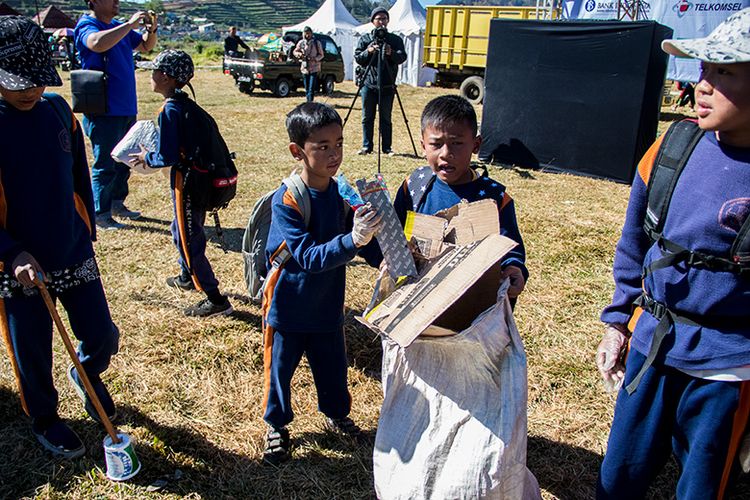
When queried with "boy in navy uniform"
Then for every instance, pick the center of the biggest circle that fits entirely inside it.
(449, 138)
(303, 301)
(686, 386)
(173, 70)
(47, 226)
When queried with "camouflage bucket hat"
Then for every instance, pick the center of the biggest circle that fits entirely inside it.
(25, 58)
(174, 63)
(728, 43)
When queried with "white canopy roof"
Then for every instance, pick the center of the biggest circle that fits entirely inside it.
(331, 17)
(406, 17)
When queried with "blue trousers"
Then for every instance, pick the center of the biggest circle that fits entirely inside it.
(326, 354)
(109, 178)
(28, 325)
(369, 104)
(670, 412)
(189, 237)
(311, 83)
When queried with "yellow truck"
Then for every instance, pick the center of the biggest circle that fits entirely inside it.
(456, 39)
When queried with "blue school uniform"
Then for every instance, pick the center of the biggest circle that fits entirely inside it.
(674, 407)
(303, 302)
(187, 229)
(46, 209)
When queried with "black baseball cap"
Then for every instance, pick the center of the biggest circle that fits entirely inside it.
(175, 63)
(25, 58)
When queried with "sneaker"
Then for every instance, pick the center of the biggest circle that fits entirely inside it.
(107, 223)
(389, 152)
(205, 309)
(101, 391)
(278, 446)
(120, 210)
(343, 427)
(364, 151)
(57, 437)
(181, 282)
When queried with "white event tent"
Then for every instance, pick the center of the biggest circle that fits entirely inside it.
(408, 19)
(333, 19)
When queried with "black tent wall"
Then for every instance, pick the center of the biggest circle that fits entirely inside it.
(578, 96)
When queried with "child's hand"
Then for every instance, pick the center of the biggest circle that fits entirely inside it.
(367, 223)
(609, 356)
(517, 281)
(138, 160)
(26, 268)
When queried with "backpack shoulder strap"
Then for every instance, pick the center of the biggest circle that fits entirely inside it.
(418, 183)
(62, 110)
(673, 154)
(296, 185)
(741, 247)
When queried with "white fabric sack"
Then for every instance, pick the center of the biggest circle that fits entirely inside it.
(142, 132)
(453, 422)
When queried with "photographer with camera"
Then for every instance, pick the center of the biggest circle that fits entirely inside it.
(107, 45)
(309, 52)
(379, 53)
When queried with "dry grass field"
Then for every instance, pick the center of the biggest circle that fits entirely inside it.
(189, 391)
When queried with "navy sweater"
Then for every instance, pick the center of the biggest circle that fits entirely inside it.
(440, 196)
(709, 205)
(41, 181)
(308, 293)
(168, 153)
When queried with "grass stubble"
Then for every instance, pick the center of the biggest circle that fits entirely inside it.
(190, 392)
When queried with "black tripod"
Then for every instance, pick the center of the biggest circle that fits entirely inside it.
(381, 55)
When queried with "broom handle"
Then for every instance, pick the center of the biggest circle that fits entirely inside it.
(76, 362)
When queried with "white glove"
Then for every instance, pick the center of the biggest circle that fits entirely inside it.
(609, 357)
(367, 223)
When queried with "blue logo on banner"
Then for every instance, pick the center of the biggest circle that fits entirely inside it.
(590, 5)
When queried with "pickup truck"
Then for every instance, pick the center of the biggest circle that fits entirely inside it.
(280, 72)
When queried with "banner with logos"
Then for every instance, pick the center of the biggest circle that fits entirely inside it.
(688, 19)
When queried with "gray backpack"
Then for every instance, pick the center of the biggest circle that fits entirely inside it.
(256, 236)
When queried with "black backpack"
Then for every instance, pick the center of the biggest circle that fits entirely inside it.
(673, 155)
(210, 175)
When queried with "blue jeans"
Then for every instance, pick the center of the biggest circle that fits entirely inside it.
(369, 103)
(311, 83)
(109, 178)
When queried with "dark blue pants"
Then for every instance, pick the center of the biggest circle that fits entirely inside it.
(326, 354)
(29, 326)
(670, 412)
(109, 178)
(369, 104)
(311, 83)
(189, 237)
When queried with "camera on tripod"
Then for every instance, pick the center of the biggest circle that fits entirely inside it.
(379, 34)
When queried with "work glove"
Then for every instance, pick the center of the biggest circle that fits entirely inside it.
(610, 355)
(367, 223)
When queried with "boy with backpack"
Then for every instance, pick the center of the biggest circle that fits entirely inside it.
(47, 225)
(311, 239)
(682, 282)
(449, 138)
(191, 145)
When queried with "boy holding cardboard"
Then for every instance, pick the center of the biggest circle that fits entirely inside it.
(303, 299)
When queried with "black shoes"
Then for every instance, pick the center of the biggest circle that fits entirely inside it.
(101, 391)
(343, 427)
(278, 446)
(364, 151)
(57, 437)
(181, 282)
(205, 308)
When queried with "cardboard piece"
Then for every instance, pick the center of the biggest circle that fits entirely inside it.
(451, 292)
(391, 237)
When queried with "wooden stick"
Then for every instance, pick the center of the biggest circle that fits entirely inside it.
(76, 362)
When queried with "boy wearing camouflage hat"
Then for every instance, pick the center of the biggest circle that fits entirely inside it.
(172, 70)
(47, 226)
(686, 383)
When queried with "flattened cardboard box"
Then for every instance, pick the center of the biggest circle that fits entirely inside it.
(454, 289)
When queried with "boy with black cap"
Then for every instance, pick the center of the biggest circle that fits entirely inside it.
(173, 70)
(378, 88)
(46, 230)
(687, 377)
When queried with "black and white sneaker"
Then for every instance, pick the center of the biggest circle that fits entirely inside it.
(101, 392)
(205, 308)
(181, 282)
(120, 210)
(57, 437)
(278, 446)
(343, 427)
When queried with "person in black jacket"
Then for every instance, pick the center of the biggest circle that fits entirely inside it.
(379, 86)
(233, 42)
